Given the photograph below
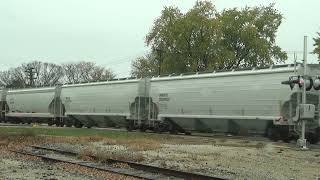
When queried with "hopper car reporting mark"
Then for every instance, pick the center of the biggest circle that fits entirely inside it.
(238, 101)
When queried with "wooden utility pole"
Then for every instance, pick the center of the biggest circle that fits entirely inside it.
(159, 52)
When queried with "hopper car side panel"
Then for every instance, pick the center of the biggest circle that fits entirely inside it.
(100, 102)
(30, 103)
(217, 103)
(3, 104)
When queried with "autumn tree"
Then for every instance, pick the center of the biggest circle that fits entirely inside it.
(205, 39)
(317, 46)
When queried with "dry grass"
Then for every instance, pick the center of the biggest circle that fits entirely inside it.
(260, 145)
(101, 155)
(4, 142)
(25, 133)
(245, 141)
(87, 155)
(143, 144)
(223, 140)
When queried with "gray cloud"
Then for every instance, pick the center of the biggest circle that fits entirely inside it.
(111, 33)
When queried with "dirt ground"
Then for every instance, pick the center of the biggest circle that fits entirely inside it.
(14, 166)
(230, 158)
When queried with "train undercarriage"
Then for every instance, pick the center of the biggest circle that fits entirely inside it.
(273, 132)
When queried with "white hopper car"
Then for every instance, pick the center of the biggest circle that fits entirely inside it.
(238, 101)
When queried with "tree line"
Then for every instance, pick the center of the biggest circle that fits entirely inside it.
(204, 39)
(39, 74)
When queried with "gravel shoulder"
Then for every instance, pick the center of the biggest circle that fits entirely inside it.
(21, 167)
(223, 157)
(226, 157)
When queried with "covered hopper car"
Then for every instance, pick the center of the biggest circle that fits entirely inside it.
(242, 101)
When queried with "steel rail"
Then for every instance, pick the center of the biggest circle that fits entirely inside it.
(87, 165)
(143, 167)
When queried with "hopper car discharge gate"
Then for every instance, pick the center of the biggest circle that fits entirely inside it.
(56, 108)
(143, 111)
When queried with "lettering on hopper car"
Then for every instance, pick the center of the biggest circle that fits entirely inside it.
(164, 97)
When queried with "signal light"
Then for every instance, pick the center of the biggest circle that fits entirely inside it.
(300, 81)
(308, 81)
(316, 83)
(294, 80)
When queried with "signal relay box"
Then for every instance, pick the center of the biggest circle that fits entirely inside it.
(307, 111)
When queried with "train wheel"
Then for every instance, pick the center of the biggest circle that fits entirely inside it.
(50, 123)
(78, 124)
(160, 128)
(173, 131)
(130, 126)
(143, 128)
(273, 133)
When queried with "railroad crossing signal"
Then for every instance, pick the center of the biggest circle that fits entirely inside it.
(300, 80)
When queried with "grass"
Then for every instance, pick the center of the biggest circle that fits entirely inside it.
(39, 131)
(25, 133)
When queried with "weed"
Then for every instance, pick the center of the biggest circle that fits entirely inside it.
(245, 142)
(260, 145)
(106, 155)
(163, 164)
(223, 140)
(143, 144)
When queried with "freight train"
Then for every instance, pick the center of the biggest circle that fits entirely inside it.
(241, 101)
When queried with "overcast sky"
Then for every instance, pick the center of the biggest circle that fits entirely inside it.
(111, 33)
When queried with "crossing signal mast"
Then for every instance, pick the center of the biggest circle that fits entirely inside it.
(305, 83)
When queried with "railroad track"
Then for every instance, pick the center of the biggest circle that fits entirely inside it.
(132, 169)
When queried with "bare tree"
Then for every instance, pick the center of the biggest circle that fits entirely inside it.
(107, 75)
(71, 73)
(37, 73)
(86, 72)
(13, 78)
(50, 74)
(41, 74)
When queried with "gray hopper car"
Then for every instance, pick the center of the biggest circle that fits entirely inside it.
(237, 102)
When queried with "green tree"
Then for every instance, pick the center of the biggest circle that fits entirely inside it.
(249, 37)
(317, 46)
(188, 41)
(204, 39)
(145, 66)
